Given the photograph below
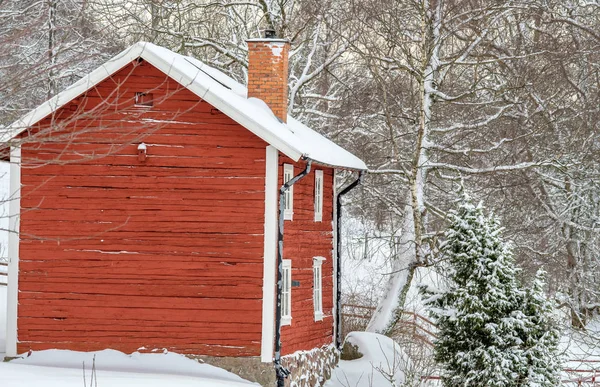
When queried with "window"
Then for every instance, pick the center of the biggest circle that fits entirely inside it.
(318, 196)
(318, 287)
(286, 293)
(288, 198)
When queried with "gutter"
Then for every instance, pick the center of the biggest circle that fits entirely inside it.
(338, 296)
(281, 372)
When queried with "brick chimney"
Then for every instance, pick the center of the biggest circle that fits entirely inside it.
(268, 72)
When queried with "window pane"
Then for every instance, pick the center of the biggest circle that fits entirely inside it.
(317, 288)
(283, 294)
(318, 195)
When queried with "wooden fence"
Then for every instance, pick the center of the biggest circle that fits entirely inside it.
(3, 273)
(585, 374)
(592, 379)
(419, 326)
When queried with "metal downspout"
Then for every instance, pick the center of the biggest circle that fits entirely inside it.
(281, 372)
(338, 296)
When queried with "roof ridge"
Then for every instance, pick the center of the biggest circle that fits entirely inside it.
(293, 139)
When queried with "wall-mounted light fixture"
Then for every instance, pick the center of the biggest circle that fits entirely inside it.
(142, 150)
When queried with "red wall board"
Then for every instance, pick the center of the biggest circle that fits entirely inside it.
(304, 239)
(121, 253)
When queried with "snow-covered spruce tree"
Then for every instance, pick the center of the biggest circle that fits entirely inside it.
(541, 336)
(487, 324)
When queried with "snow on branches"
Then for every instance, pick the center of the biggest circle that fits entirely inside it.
(492, 331)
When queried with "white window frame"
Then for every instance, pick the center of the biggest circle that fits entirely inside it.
(288, 174)
(318, 196)
(318, 287)
(286, 292)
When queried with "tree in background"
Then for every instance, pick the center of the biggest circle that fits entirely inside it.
(448, 109)
(491, 331)
(216, 33)
(45, 45)
(501, 95)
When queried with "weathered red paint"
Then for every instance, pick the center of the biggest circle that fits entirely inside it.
(118, 253)
(162, 253)
(303, 240)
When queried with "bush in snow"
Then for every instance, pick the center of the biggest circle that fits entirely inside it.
(492, 332)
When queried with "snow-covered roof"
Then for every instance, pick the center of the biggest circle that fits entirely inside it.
(293, 139)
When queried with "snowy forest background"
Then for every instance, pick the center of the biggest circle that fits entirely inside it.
(499, 98)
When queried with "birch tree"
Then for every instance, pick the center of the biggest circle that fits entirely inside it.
(45, 45)
(449, 109)
(559, 226)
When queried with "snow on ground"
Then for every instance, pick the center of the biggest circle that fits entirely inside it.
(57, 368)
(365, 260)
(54, 368)
(382, 361)
(581, 353)
(383, 357)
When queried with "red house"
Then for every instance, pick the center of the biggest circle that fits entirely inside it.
(145, 204)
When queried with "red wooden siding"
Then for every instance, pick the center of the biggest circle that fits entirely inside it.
(118, 253)
(304, 239)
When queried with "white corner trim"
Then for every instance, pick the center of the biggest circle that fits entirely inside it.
(14, 210)
(334, 254)
(270, 255)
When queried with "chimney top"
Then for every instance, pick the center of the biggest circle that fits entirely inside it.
(268, 72)
(270, 34)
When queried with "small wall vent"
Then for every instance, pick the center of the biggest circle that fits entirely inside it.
(144, 99)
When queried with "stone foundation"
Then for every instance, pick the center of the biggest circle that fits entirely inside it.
(308, 368)
(249, 368)
(311, 368)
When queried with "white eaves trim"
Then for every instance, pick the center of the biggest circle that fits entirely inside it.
(169, 63)
(293, 139)
(84, 84)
